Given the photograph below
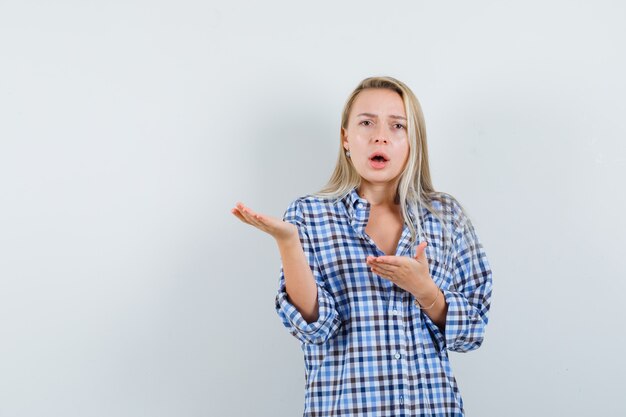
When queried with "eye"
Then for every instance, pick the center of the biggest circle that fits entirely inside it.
(399, 126)
(366, 123)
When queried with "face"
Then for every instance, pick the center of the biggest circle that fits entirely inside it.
(377, 124)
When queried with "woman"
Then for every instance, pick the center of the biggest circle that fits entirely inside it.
(381, 275)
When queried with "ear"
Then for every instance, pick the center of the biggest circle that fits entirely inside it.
(344, 138)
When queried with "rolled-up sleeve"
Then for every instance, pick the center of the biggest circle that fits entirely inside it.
(328, 320)
(469, 296)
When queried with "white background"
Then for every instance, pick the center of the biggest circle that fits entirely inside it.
(129, 129)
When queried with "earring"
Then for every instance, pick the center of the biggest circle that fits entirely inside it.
(348, 154)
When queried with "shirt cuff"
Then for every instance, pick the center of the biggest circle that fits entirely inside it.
(464, 328)
(316, 332)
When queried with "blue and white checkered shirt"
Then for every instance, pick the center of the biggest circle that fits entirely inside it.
(372, 352)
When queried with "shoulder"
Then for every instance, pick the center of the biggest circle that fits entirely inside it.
(450, 209)
(306, 206)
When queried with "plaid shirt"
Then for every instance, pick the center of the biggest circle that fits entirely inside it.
(372, 352)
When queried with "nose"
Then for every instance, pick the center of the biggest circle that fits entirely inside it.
(379, 136)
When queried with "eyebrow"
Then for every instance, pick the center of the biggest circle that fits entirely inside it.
(393, 116)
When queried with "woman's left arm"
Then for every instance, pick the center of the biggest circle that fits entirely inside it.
(469, 297)
(456, 314)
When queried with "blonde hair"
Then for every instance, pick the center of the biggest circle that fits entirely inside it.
(415, 188)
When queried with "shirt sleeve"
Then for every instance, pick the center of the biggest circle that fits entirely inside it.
(468, 297)
(328, 320)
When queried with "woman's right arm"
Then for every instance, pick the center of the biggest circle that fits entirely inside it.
(299, 281)
(304, 305)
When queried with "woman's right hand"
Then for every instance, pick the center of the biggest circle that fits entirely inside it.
(281, 230)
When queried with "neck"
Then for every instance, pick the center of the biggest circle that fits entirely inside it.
(378, 195)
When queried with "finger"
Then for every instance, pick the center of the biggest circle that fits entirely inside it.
(244, 209)
(371, 260)
(238, 215)
(255, 216)
(259, 219)
(388, 269)
(262, 219)
(388, 277)
(250, 217)
(389, 260)
(256, 222)
(378, 272)
(243, 213)
(247, 213)
(384, 273)
(419, 251)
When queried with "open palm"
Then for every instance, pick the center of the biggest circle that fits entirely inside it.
(279, 229)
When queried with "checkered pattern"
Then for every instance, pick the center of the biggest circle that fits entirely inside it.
(371, 352)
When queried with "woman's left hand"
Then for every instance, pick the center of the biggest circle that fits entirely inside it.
(410, 274)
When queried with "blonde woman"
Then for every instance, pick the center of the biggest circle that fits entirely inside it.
(381, 275)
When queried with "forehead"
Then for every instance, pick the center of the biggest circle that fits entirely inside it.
(379, 101)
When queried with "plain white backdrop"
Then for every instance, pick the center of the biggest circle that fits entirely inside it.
(129, 129)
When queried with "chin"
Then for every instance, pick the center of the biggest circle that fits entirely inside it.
(375, 179)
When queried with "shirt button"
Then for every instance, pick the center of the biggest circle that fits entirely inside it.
(397, 356)
(395, 312)
(359, 206)
(401, 399)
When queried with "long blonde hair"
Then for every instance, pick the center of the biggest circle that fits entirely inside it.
(415, 187)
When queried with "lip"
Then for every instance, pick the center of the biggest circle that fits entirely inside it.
(377, 164)
(377, 153)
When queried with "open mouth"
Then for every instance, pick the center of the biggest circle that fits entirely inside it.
(379, 156)
(378, 160)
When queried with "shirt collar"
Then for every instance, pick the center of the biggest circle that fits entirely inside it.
(358, 207)
(359, 210)
(355, 204)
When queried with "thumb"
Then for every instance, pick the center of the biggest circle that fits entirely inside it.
(419, 251)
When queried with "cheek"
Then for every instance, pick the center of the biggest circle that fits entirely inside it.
(404, 155)
(360, 148)
(403, 148)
